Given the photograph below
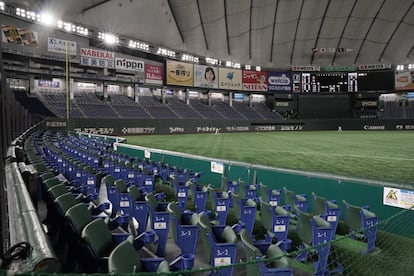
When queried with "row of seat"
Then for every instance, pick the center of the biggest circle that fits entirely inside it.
(245, 200)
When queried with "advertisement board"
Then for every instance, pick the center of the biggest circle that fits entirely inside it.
(97, 58)
(254, 80)
(24, 37)
(57, 45)
(205, 76)
(179, 73)
(279, 81)
(230, 79)
(404, 80)
(131, 65)
(153, 74)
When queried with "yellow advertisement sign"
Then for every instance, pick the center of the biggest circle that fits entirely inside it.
(230, 79)
(179, 73)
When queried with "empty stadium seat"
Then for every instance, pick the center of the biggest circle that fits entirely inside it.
(315, 233)
(363, 222)
(327, 209)
(184, 226)
(292, 200)
(125, 259)
(245, 210)
(219, 243)
(220, 202)
(160, 221)
(278, 265)
(276, 221)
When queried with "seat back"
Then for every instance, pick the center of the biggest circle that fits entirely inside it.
(318, 205)
(289, 198)
(124, 259)
(120, 184)
(266, 215)
(78, 216)
(97, 236)
(134, 192)
(251, 252)
(353, 216)
(152, 201)
(273, 252)
(204, 226)
(64, 202)
(236, 204)
(304, 226)
(57, 190)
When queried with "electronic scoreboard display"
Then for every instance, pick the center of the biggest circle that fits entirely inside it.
(331, 82)
(325, 82)
(372, 81)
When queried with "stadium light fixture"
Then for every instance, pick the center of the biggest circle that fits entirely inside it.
(400, 67)
(138, 45)
(247, 67)
(108, 38)
(165, 52)
(229, 64)
(2, 5)
(47, 19)
(258, 68)
(237, 65)
(212, 61)
(190, 58)
(410, 66)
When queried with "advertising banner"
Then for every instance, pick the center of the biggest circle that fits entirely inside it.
(129, 64)
(57, 45)
(179, 73)
(279, 81)
(97, 58)
(379, 66)
(11, 34)
(230, 79)
(404, 80)
(205, 76)
(254, 80)
(48, 84)
(153, 74)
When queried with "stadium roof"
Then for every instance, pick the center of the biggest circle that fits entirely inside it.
(269, 33)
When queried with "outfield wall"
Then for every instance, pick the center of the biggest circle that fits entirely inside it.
(121, 127)
(356, 191)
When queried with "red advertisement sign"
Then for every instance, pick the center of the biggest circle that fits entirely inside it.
(254, 80)
(153, 74)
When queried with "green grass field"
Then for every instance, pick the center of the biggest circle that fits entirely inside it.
(383, 155)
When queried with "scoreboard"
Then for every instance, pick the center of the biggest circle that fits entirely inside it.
(325, 82)
(331, 82)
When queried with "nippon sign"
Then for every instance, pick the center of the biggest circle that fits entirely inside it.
(129, 64)
(374, 66)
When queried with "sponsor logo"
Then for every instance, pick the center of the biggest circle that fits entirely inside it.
(369, 103)
(97, 54)
(176, 129)
(129, 64)
(237, 128)
(369, 127)
(374, 66)
(279, 80)
(291, 128)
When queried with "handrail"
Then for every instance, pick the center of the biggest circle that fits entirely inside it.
(24, 224)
